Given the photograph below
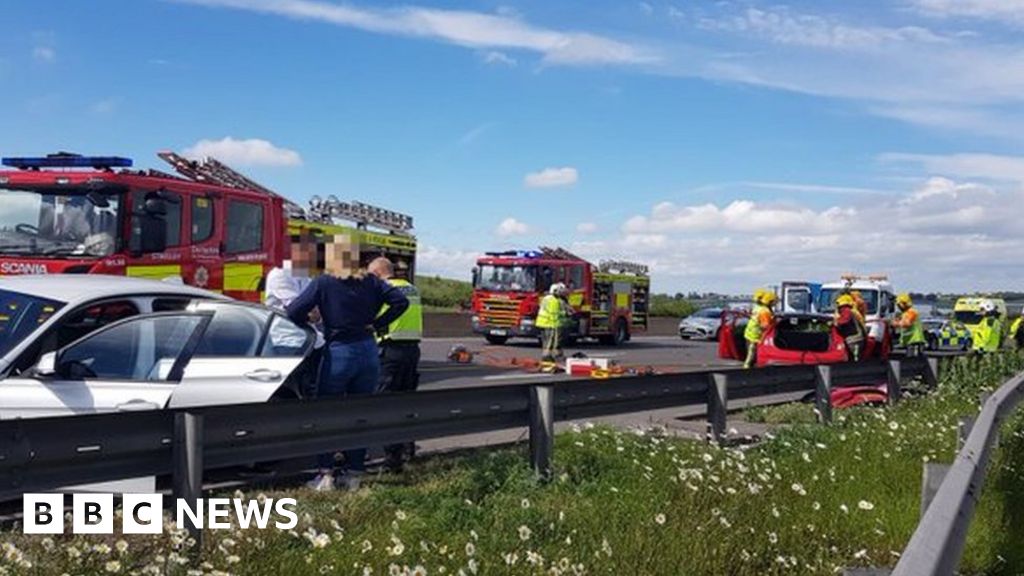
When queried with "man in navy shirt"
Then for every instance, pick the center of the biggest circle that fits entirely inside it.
(348, 308)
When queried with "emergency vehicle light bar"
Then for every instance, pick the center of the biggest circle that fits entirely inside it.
(67, 160)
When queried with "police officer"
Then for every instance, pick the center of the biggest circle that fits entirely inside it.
(399, 348)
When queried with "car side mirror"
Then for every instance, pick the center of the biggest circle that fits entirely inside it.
(47, 365)
(476, 276)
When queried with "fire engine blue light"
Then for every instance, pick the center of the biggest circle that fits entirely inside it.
(68, 161)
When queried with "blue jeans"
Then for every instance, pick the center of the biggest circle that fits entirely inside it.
(348, 369)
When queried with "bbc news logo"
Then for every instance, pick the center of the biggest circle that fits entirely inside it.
(144, 513)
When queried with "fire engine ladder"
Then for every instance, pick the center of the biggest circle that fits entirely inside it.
(215, 172)
(559, 253)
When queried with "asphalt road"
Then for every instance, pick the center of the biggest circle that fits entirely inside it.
(515, 361)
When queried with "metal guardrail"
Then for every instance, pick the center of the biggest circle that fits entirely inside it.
(938, 542)
(37, 455)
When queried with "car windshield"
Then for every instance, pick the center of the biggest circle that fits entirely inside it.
(58, 223)
(969, 317)
(507, 278)
(827, 299)
(20, 314)
(708, 313)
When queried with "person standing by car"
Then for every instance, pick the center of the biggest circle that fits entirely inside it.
(850, 326)
(761, 318)
(552, 316)
(986, 335)
(909, 324)
(399, 349)
(350, 306)
(285, 282)
(1016, 334)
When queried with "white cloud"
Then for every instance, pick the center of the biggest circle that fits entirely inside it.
(445, 262)
(512, 227)
(550, 177)
(497, 57)
(1007, 11)
(783, 26)
(941, 234)
(502, 31)
(983, 166)
(104, 107)
(249, 152)
(44, 54)
(587, 227)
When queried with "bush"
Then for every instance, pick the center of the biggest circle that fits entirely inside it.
(440, 292)
(665, 305)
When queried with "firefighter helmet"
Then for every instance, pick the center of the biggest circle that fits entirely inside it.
(904, 301)
(845, 300)
(987, 307)
(558, 289)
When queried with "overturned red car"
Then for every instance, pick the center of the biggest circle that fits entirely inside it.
(804, 339)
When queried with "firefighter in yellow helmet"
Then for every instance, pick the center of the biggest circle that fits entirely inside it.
(909, 324)
(761, 318)
(987, 334)
(552, 317)
(850, 326)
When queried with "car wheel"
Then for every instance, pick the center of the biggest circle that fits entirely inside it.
(496, 340)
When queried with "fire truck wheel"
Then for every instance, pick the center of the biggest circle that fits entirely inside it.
(620, 335)
(496, 340)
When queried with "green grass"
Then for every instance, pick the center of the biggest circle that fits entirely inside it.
(810, 500)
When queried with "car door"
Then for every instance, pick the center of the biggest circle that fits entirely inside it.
(133, 364)
(247, 354)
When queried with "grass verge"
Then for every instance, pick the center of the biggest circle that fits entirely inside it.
(810, 500)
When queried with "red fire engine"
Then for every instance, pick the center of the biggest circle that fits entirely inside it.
(210, 226)
(610, 300)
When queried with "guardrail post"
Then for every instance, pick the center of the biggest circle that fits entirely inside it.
(934, 474)
(542, 429)
(823, 393)
(931, 372)
(893, 390)
(963, 430)
(718, 402)
(187, 476)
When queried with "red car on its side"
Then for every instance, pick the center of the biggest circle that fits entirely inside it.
(803, 339)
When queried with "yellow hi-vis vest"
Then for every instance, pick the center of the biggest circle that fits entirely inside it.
(985, 336)
(754, 330)
(550, 313)
(409, 326)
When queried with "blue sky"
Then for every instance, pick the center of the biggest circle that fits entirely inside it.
(728, 144)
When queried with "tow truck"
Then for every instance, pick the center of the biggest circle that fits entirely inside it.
(207, 225)
(610, 299)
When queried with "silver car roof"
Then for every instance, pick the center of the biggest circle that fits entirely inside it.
(70, 288)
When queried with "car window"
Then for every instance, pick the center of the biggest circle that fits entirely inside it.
(20, 314)
(285, 338)
(92, 317)
(234, 331)
(142, 349)
(170, 304)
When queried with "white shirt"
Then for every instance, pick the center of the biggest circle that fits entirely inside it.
(283, 287)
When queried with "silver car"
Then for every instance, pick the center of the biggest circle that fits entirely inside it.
(701, 324)
(86, 344)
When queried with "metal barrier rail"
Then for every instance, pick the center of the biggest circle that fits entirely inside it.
(47, 453)
(938, 542)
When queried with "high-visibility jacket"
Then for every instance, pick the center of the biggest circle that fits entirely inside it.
(911, 329)
(409, 326)
(760, 318)
(985, 335)
(1015, 333)
(551, 313)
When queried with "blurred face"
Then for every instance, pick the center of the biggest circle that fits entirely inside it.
(304, 253)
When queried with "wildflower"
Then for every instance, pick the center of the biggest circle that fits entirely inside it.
(525, 503)
(524, 533)
(400, 515)
(799, 489)
(470, 549)
(419, 571)
(861, 554)
(844, 508)
(773, 537)
(865, 505)
(112, 566)
(806, 457)
(121, 546)
(232, 559)
(473, 565)
(816, 506)
(894, 425)
(660, 519)
(366, 546)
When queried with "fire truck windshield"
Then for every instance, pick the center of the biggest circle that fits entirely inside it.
(507, 278)
(53, 223)
(827, 299)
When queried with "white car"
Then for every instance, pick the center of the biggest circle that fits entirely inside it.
(701, 324)
(87, 344)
